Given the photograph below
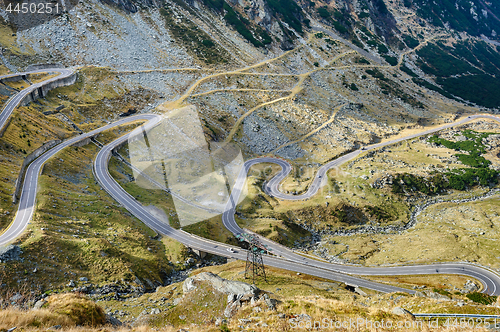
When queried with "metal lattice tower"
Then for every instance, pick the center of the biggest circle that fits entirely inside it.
(255, 265)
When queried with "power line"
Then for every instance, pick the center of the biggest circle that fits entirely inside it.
(255, 265)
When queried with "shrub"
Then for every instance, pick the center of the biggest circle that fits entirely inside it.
(481, 298)
(80, 309)
(324, 13)
(382, 49)
(391, 60)
(67, 310)
(362, 60)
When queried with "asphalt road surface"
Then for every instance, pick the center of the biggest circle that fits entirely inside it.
(489, 279)
(13, 102)
(285, 258)
(29, 189)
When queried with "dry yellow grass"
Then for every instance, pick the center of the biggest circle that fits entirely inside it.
(40, 77)
(31, 319)
(67, 310)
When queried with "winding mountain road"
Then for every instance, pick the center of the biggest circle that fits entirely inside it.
(285, 259)
(489, 278)
(13, 102)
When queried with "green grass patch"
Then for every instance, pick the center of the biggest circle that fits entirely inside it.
(197, 41)
(482, 298)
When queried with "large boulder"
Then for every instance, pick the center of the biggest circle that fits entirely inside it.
(402, 312)
(470, 286)
(239, 288)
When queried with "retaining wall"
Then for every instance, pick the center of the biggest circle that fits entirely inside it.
(32, 156)
(39, 66)
(47, 87)
(13, 78)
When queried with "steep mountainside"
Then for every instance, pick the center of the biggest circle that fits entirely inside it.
(307, 81)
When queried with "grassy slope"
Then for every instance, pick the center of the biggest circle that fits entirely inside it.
(4, 70)
(296, 294)
(108, 244)
(445, 232)
(26, 132)
(84, 104)
(85, 233)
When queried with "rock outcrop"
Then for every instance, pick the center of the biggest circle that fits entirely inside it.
(237, 288)
(238, 292)
(10, 253)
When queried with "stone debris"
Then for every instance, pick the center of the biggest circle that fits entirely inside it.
(470, 286)
(10, 253)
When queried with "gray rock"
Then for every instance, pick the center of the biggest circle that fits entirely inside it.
(55, 327)
(16, 297)
(436, 296)
(71, 283)
(189, 285)
(220, 284)
(113, 321)
(304, 317)
(39, 304)
(84, 279)
(401, 312)
(10, 253)
(470, 286)
(155, 311)
(182, 317)
(231, 309)
(220, 321)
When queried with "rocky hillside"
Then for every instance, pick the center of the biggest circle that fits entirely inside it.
(223, 301)
(458, 37)
(303, 80)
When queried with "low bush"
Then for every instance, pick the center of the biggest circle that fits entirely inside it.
(481, 298)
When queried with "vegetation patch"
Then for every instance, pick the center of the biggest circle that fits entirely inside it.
(66, 310)
(289, 11)
(458, 179)
(467, 69)
(482, 298)
(390, 87)
(254, 34)
(196, 40)
(459, 14)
